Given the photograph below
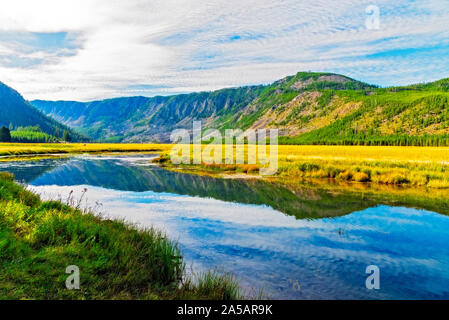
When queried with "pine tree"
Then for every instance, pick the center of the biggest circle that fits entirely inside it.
(5, 134)
(66, 136)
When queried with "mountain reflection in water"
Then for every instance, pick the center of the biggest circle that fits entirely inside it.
(301, 244)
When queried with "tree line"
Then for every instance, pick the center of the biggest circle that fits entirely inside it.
(380, 140)
(31, 134)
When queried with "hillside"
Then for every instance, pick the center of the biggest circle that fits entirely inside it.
(138, 119)
(15, 112)
(308, 108)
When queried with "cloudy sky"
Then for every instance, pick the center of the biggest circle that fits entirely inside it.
(95, 49)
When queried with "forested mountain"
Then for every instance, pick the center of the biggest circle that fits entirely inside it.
(146, 119)
(16, 113)
(308, 108)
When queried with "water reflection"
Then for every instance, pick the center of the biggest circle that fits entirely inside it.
(135, 174)
(238, 226)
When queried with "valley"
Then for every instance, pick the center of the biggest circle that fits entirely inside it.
(350, 155)
(307, 108)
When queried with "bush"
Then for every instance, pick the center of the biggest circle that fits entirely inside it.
(345, 175)
(6, 176)
(361, 177)
(5, 134)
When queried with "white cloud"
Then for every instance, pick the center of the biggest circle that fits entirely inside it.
(184, 46)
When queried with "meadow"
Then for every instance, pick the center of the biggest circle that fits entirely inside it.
(12, 149)
(390, 165)
(40, 239)
(385, 165)
(409, 166)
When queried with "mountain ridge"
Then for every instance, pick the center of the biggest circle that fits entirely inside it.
(15, 111)
(154, 117)
(307, 107)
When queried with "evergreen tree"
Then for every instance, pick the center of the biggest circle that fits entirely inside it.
(5, 134)
(66, 136)
(56, 134)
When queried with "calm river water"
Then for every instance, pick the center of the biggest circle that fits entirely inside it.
(302, 245)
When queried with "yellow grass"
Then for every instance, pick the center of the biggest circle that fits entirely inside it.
(416, 166)
(419, 166)
(366, 153)
(50, 148)
(411, 166)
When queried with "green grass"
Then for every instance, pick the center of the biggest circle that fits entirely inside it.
(212, 285)
(38, 240)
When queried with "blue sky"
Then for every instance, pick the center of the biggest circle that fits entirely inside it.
(95, 49)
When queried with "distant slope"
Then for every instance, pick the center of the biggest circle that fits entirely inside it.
(147, 119)
(15, 111)
(413, 115)
(308, 108)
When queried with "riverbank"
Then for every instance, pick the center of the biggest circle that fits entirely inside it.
(434, 199)
(39, 240)
(16, 149)
(381, 165)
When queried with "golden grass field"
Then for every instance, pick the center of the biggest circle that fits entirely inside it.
(7, 149)
(406, 166)
(419, 166)
(413, 166)
(366, 153)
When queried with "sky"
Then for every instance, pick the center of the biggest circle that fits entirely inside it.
(95, 49)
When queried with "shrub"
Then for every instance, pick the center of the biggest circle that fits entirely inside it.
(307, 167)
(345, 175)
(361, 177)
(6, 176)
(163, 158)
(249, 168)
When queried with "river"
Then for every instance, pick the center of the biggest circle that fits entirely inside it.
(294, 245)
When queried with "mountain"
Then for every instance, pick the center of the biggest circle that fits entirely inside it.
(308, 108)
(146, 119)
(141, 118)
(16, 112)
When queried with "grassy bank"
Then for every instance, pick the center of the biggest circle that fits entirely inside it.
(405, 166)
(7, 149)
(39, 240)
